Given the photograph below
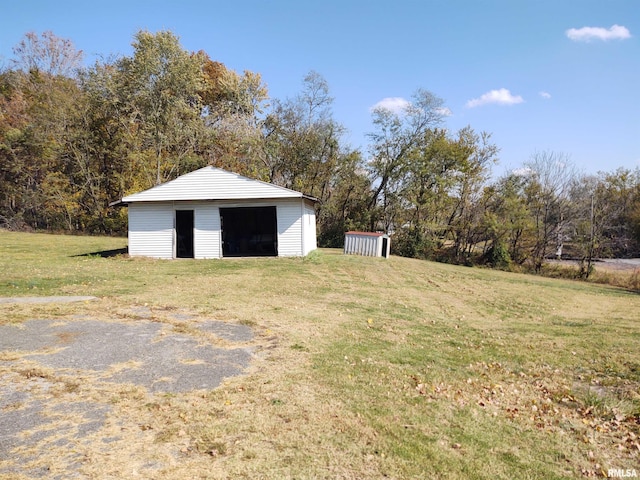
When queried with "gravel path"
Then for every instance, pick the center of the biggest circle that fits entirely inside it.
(69, 299)
(41, 360)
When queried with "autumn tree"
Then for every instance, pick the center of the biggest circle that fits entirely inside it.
(47, 54)
(16, 186)
(475, 154)
(604, 206)
(424, 193)
(158, 93)
(396, 134)
(507, 221)
(302, 140)
(439, 193)
(619, 197)
(233, 108)
(550, 178)
(303, 151)
(41, 102)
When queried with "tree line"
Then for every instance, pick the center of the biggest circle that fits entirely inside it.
(75, 139)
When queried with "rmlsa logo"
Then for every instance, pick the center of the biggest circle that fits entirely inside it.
(621, 473)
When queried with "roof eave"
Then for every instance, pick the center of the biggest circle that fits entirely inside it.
(125, 202)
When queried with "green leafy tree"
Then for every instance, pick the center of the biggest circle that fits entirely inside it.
(346, 207)
(430, 177)
(507, 220)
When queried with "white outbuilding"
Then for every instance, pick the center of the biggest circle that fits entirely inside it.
(370, 244)
(213, 213)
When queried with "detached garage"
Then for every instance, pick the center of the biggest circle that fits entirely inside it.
(212, 213)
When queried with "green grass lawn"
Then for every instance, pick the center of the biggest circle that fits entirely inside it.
(366, 367)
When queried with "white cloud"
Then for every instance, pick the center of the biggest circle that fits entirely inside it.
(444, 111)
(586, 34)
(393, 104)
(399, 106)
(499, 97)
(522, 172)
(545, 95)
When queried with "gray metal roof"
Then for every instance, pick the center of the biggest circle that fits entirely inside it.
(210, 183)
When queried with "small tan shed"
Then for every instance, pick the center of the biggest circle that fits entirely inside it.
(370, 244)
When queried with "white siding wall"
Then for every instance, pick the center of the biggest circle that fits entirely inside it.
(151, 227)
(367, 245)
(206, 234)
(309, 228)
(151, 230)
(289, 228)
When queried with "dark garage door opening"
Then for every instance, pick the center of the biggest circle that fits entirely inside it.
(249, 232)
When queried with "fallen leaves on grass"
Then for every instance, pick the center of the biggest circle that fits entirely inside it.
(548, 400)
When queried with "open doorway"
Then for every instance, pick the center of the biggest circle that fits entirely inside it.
(184, 233)
(249, 232)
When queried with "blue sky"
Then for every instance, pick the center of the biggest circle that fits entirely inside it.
(539, 75)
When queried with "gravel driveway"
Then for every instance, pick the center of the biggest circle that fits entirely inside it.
(39, 357)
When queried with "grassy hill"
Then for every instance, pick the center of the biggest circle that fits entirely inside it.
(365, 367)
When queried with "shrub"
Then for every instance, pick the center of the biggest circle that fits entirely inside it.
(498, 256)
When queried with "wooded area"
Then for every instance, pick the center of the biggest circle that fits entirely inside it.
(74, 139)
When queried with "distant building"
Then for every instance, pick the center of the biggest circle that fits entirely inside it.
(212, 213)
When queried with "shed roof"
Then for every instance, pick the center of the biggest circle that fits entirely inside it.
(367, 234)
(210, 183)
